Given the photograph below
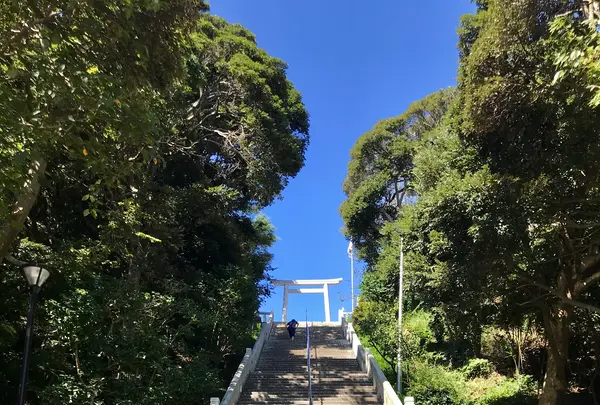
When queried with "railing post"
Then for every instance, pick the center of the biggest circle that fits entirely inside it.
(409, 401)
(215, 401)
(368, 361)
(248, 354)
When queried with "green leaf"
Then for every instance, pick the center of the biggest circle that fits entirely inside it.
(148, 237)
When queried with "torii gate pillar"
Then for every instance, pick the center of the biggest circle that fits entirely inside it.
(306, 283)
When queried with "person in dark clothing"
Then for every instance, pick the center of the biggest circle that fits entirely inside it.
(291, 327)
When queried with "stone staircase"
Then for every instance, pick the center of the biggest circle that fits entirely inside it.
(281, 375)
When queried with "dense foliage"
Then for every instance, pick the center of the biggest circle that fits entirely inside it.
(502, 217)
(138, 142)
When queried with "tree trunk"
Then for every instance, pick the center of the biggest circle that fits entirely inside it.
(591, 9)
(21, 209)
(134, 266)
(478, 332)
(556, 327)
(554, 386)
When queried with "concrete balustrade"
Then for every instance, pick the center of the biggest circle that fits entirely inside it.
(367, 362)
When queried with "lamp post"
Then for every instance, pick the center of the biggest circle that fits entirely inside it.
(352, 275)
(36, 277)
(399, 374)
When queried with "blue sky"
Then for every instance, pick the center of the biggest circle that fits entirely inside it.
(355, 63)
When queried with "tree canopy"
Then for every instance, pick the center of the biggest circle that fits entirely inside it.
(138, 143)
(502, 229)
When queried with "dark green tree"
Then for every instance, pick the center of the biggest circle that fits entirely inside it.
(504, 224)
(146, 214)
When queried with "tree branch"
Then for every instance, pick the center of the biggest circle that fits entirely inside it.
(392, 365)
(387, 215)
(27, 28)
(579, 304)
(15, 261)
(25, 202)
(574, 225)
(590, 281)
(566, 300)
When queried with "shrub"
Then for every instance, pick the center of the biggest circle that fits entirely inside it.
(436, 385)
(513, 349)
(417, 323)
(477, 368)
(510, 391)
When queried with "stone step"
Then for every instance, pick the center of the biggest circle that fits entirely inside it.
(316, 378)
(316, 401)
(317, 385)
(339, 400)
(353, 375)
(316, 382)
(330, 360)
(286, 390)
(342, 399)
(254, 395)
(314, 374)
(314, 354)
(301, 368)
(292, 391)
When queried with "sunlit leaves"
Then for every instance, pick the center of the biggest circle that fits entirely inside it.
(577, 52)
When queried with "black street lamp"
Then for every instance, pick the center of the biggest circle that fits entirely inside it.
(36, 277)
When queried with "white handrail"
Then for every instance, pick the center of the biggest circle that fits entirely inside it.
(310, 399)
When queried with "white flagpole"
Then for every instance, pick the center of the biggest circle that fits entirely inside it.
(399, 375)
(351, 255)
(352, 278)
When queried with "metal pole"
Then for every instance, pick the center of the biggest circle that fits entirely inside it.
(352, 278)
(326, 299)
(399, 375)
(310, 399)
(28, 337)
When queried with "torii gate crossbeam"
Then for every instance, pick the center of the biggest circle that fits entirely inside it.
(286, 284)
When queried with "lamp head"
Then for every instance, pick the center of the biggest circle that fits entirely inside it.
(36, 276)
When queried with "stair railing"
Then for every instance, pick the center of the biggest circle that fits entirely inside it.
(310, 399)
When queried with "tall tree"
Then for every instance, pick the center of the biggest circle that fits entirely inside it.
(505, 219)
(147, 212)
(532, 129)
(379, 175)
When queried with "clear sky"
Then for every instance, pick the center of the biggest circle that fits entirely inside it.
(355, 63)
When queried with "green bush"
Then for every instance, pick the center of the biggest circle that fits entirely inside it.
(436, 385)
(510, 391)
(417, 323)
(477, 368)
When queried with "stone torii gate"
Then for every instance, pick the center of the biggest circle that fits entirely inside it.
(286, 284)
